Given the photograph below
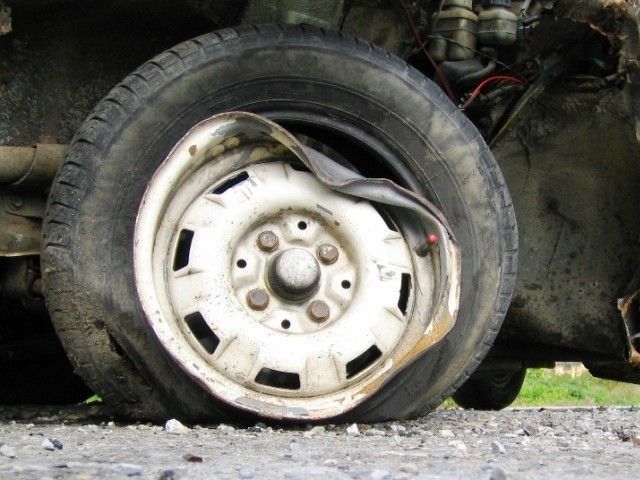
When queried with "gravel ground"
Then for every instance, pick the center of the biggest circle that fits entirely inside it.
(518, 443)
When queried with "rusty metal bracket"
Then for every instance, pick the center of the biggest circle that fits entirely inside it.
(28, 206)
(630, 309)
(19, 236)
(20, 223)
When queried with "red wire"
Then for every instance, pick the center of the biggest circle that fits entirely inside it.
(487, 81)
(421, 44)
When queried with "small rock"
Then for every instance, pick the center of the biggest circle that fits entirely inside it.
(190, 457)
(498, 448)
(399, 429)
(523, 432)
(7, 451)
(410, 468)
(562, 443)
(174, 426)
(497, 474)
(353, 430)
(294, 445)
(226, 429)
(57, 443)
(29, 426)
(111, 424)
(379, 474)
(128, 469)
(459, 445)
(374, 432)
(446, 433)
(246, 474)
(331, 462)
(48, 445)
(314, 431)
(257, 428)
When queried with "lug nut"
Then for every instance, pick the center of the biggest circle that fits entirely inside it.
(258, 299)
(268, 241)
(327, 254)
(318, 311)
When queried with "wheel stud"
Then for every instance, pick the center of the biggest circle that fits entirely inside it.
(327, 254)
(258, 299)
(318, 311)
(268, 241)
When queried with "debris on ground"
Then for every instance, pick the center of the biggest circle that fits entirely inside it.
(190, 457)
(7, 451)
(353, 430)
(585, 443)
(174, 426)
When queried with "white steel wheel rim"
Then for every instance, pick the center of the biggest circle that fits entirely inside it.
(199, 310)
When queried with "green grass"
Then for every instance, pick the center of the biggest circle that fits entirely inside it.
(544, 388)
(93, 399)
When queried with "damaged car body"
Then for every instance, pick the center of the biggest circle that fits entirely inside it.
(317, 211)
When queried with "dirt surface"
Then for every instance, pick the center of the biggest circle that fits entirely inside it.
(558, 443)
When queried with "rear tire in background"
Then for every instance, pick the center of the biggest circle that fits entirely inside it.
(491, 390)
(354, 100)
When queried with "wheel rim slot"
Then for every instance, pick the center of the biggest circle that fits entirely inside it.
(362, 361)
(405, 290)
(203, 333)
(385, 216)
(232, 182)
(278, 379)
(183, 249)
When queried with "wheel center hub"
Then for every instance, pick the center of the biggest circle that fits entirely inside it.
(294, 274)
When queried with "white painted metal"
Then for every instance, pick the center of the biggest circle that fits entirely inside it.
(362, 287)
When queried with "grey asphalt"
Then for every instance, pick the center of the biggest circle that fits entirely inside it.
(577, 443)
